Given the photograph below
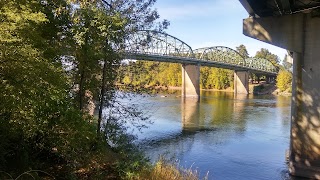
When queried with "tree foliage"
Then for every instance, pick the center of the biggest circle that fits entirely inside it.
(142, 73)
(286, 65)
(266, 54)
(284, 80)
(57, 57)
(216, 78)
(243, 51)
(145, 73)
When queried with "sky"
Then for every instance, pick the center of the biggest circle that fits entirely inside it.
(206, 23)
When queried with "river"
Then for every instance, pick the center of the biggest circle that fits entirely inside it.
(222, 135)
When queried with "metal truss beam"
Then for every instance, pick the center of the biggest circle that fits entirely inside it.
(159, 46)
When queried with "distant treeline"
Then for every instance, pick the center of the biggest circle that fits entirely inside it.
(146, 73)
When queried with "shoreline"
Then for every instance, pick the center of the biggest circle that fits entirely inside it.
(266, 89)
(271, 91)
(179, 88)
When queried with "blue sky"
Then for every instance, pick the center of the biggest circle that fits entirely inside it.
(205, 23)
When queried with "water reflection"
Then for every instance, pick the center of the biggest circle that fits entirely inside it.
(233, 137)
(190, 114)
(209, 113)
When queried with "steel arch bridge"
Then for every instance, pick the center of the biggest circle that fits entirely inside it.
(159, 46)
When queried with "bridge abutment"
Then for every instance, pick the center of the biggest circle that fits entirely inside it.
(241, 82)
(298, 33)
(190, 81)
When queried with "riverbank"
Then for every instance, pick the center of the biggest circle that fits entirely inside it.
(263, 89)
(257, 89)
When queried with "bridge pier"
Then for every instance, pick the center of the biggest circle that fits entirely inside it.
(190, 81)
(241, 82)
(298, 33)
(269, 79)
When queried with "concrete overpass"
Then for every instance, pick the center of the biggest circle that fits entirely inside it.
(158, 46)
(295, 25)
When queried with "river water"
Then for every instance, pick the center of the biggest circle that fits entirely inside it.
(222, 135)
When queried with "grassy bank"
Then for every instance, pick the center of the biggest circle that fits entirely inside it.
(164, 170)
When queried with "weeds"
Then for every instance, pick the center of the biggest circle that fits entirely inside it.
(34, 174)
(166, 170)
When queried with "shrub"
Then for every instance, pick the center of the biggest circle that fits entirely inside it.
(284, 80)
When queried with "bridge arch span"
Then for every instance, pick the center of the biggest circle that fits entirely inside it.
(220, 54)
(149, 42)
(261, 64)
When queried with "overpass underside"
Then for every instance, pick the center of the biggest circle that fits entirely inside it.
(299, 32)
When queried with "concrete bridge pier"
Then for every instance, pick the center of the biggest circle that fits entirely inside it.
(241, 82)
(298, 33)
(190, 80)
(304, 158)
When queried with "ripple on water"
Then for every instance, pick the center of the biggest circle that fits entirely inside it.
(229, 137)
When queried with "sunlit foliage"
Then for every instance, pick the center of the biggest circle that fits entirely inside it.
(284, 80)
(57, 57)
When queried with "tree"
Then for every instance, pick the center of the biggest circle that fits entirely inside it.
(286, 65)
(204, 74)
(217, 78)
(242, 51)
(36, 113)
(266, 54)
(284, 80)
(99, 29)
(42, 116)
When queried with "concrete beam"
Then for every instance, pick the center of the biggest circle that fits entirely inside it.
(285, 31)
(190, 80)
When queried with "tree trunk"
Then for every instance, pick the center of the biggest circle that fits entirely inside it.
(102, 93)
(81, 90)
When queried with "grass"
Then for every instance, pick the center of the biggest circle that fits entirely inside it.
(165, 170)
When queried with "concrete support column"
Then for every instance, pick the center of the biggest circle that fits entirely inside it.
(298, 33)
(304, 159)
(241, 82)
(190, 80)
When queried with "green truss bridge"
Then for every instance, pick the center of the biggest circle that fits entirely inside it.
(158, 46)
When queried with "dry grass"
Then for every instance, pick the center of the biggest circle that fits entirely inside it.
(163, 170)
